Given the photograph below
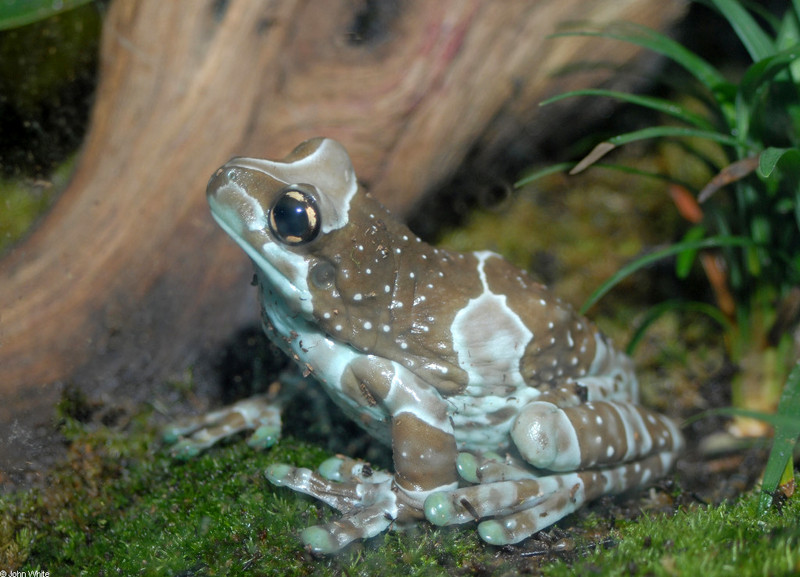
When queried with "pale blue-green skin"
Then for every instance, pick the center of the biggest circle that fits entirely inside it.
(435, 353)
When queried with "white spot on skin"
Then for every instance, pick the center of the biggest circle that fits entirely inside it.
(338, 327)
(387, 288)
(386, 328)
(367, 325)
(357, 297)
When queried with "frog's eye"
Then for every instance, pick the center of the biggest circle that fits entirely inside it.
(294, 218)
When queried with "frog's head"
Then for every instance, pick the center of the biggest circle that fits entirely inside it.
(277, 210)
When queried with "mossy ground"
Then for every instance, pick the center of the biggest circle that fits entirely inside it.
(121, 506)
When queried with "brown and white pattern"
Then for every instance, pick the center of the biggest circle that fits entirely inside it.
(450, 358)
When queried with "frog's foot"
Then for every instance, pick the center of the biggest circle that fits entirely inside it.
(364, 496)
(522, 503)
(194, 435)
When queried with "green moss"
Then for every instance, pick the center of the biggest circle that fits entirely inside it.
(120, 505)
(22, 201)
(726, 540)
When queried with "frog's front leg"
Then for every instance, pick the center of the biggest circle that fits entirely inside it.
(599, 448)
(424, 453)
(260, 414)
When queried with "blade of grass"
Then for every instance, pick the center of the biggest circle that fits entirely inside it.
(755, 81)
(757, 43)
(652, 40)
(673, 132)
(685, 259)
(651, 132)
(787, 431)
(627, 270)
(655, 312)
(658, 104)
(756, 78)
(536, 175)
(772, 419)
(16, 13)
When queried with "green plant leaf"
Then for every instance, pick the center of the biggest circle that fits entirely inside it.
(537, 174)
(770, 158)
(771, 419)
(787, 432)
(657, 42)
(530, 177)
(673, 132)
(651, 132)
(643, 261)
(761, 72)
(668, 107)
(685, 259)
(755, 81)
(757, 43)
(655, 312)
(16, 13)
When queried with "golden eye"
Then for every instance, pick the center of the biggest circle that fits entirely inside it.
(294, 217)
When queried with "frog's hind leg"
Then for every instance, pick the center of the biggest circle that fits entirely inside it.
(591, 435)
(363, 495)
(259, 414)
(527, 503)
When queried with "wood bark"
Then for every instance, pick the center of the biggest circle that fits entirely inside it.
(127, 281)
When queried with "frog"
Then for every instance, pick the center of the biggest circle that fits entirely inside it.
(499, 403)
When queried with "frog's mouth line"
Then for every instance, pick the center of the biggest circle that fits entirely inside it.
(290, 291)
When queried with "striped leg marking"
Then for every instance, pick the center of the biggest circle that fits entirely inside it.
(193, 435)
(528, 503)
(594, 434)
(365, 498)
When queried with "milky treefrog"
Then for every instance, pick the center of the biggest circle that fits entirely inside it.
(499, 403)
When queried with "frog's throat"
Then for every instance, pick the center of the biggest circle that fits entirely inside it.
(292, 292)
